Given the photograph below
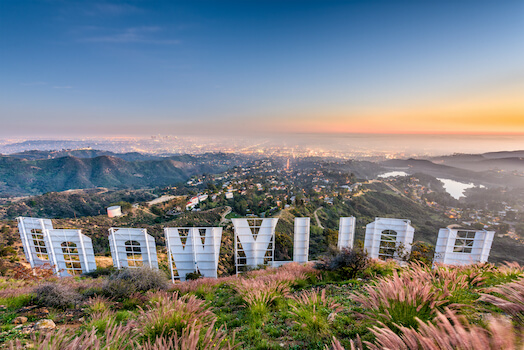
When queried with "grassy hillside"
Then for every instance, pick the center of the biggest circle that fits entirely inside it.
(293, 307)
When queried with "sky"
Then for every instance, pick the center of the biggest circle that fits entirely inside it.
(138, 68)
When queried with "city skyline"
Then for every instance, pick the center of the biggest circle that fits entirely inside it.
(134, 68)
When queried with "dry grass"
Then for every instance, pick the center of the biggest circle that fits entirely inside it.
(170, 314)
(450, 332)
(201, 285)
(511, 298)
(288, 272)
(194, 337)
(11, 287)
(399, 299)
(115, 337)
(511, 269)
(317, 299)
(103, 261)
(261, 291)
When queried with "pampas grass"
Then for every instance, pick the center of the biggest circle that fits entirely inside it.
(511, 298)
(400, 298)
(449, 332)
(171, 314)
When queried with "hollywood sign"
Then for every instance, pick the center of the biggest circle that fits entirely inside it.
(197, 249)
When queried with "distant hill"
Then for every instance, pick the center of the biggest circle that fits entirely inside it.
(507, 161)
(28, 177)
(456, 167)
(81, 153)
(504, 154)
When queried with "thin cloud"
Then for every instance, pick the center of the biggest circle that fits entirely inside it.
(134, 35)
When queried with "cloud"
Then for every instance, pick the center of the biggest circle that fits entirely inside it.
(134, 35)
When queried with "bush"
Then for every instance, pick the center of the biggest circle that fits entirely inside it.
(56, 295)
(423, 252)
(347, 263)
(191, 276)
(101, 271)
(123, 283)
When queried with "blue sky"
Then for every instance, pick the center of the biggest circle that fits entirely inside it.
(89, 68)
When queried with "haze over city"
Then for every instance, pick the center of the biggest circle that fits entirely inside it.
(135, 68)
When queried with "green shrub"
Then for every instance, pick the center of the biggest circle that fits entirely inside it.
(92, 292)
(422, 252)
(191, 276)
(16, 302)
(101, 271)
(346, 263)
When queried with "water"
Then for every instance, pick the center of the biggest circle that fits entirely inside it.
(393, 174)
(456, 189)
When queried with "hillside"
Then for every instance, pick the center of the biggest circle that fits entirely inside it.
(356, 303)
(479, 171)
(81, 153)
(507, 161)
(20, 177)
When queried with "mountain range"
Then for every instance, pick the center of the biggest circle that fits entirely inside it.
(22, 176)
(36, 172)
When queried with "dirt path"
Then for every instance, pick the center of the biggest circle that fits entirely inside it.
(316, 217)
(223, 218)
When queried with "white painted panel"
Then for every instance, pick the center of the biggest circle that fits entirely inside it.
(35, 241)
(346, 232)
(193, 249)
(463, 247)
(254, 242)
(301, 240)
(72, 251)
(132, 247)
(378, 237)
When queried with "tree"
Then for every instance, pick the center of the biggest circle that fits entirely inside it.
(331, 237)
(423, 252)
(503, 228)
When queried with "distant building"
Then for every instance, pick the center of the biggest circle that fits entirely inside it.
(462, 247)
(192, 203)
(384, 237)
(114, 211)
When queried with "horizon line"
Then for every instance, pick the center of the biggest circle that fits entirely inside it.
(188, 134)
